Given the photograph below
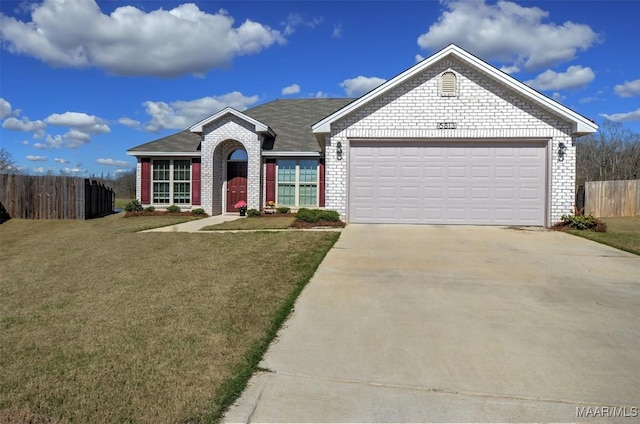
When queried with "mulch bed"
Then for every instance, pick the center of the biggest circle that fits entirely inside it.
(304, 225)
(161, 213)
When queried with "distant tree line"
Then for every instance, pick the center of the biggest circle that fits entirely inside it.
(612, 153)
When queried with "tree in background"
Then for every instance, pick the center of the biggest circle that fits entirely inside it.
(124, 184)
(612, 153)
(7, 164)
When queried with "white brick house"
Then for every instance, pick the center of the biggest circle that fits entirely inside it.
(451, 140)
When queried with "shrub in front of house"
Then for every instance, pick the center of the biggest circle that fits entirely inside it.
(329, 216)
(197, 211)
(150, 209)
(133, 206)
(173, 209)
(284, 209)
(253, 213)
(316, 215)
(584, 222)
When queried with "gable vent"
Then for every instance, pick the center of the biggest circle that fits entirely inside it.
(448, 84)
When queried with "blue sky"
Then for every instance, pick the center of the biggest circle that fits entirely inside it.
(82, 81)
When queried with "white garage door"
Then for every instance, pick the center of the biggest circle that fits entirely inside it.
(448, 183)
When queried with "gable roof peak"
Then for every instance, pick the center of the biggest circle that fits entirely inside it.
(259, 126)
(580, 124)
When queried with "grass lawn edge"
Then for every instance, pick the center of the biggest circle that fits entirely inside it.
(233, 387)
(589, 236)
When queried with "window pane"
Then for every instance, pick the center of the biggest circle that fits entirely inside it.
(161, 170)
(286, 171)
(308, 171)
(286, 194)
(308, 195)
(181, 193)
(160, 192)
(181, 170)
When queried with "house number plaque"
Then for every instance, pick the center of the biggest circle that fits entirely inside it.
(447, 125)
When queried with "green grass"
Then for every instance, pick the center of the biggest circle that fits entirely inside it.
(121, 203)
(99, 323)
(261, 223)
(622, 233)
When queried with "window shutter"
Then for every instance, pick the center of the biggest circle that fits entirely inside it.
(195, 181)
(448, 84)
(145, 181)
(321, 194)
(270, 188)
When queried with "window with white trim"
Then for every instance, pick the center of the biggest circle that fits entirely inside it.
(297, 182)
(171, 181)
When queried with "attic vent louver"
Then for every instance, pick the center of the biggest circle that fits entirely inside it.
(448, 84)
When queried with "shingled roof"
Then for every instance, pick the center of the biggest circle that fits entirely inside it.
(184, 141)
(290, 120)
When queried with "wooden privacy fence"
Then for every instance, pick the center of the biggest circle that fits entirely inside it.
(612, 198)
(54, 197)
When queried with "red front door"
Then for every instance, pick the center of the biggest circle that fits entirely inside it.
(236, 184)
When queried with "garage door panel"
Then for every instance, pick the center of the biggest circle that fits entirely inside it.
(465, 183)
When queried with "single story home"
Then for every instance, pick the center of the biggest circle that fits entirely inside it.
(451, 140)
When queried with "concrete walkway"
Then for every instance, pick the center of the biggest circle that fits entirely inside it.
(195, 225)
(456, 324)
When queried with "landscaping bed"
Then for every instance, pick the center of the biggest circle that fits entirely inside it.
(163, 213)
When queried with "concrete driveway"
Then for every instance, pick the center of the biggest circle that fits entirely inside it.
(456, 323)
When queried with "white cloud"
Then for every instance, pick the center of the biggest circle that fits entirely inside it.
(75, 138)
(112, 162)
(121, 171)
(507, 32)
(50, 143)
(355, 87)
(61, 161)
(419, 58)
(295, 20)
(628, 89)
(34, 158)
(337, 31)
(558, 97)
(182, 40)
(321, 95)
(575, 77)
(128, 122)
(39, 170)
(623, 117)
(89, 124)
(25, 142)
(291, 89)
(25, 124)
(5, 108)
(75, 170)
(182, 114)
(510, 69)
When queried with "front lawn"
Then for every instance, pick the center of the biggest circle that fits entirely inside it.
(622, 233)
(99, 323)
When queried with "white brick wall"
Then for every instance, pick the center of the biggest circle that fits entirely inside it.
(219, 140)
(483, 109)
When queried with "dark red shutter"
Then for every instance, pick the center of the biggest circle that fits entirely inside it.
(321, 187)
(145, 181)
(195, 181)
(271, 180)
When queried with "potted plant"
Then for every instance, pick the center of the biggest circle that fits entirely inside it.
(242, 207)
(271, 207)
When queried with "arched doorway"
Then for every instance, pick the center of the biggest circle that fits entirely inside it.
(236, 178)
